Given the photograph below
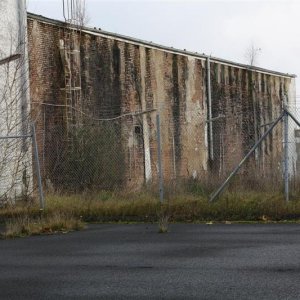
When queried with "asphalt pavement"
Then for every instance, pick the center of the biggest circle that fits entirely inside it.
(192, 261)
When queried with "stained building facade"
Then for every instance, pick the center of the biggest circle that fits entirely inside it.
(211, 110)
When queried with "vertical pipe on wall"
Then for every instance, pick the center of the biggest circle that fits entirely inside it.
(210, 129)
(160, 172)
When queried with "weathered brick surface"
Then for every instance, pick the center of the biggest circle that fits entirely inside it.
(119, 77)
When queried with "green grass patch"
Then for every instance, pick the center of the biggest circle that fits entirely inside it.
(144, 207)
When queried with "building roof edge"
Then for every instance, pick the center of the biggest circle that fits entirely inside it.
(162, 47)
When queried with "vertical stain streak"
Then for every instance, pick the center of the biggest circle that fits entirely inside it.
(176, 110)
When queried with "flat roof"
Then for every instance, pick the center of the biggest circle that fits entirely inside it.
(148, 44)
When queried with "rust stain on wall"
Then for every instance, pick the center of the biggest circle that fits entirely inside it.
(119, 77)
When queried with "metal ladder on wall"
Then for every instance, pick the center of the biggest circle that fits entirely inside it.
(72, 79)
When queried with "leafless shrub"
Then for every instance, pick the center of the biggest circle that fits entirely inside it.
(252, 54)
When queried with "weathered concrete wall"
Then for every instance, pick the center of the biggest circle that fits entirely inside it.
(248, 100)
(120, 77)
(15, 155)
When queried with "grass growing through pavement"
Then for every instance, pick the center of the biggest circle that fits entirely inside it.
(25, 225)
(163, 223)
(163, 217)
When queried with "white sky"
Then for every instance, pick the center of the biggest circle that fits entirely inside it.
(223, 29)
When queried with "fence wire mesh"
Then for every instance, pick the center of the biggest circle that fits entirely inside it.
(109, 154)
(198, 162)
(272, 166)
(121, 154)
(293, 152)
(18, 167)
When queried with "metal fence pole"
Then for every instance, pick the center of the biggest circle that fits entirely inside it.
(160, 175)
(286, 155)
(37, 165)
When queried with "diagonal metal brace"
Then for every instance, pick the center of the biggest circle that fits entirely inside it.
(237, 168)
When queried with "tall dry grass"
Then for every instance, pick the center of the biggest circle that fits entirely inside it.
(144, 207)
(25, 225)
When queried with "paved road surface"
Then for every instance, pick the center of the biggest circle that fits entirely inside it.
(135, 262)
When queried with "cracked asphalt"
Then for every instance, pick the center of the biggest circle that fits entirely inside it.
(192, 261)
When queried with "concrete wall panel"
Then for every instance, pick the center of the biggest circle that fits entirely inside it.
(121, 77)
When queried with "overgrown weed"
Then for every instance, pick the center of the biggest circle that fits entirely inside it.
(163, 216)
(26, 225)
(144, 207)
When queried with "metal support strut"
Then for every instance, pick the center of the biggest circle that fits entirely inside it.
(237, 168)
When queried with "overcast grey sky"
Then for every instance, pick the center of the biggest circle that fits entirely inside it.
(221, 28)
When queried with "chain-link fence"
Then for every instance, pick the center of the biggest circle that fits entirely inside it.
(116, 154)
(268, 164)
(245, 152)
(124, 154)
(20, 177)
(291, 159)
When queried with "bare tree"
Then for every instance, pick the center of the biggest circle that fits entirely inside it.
(251, 54)
(15, 154)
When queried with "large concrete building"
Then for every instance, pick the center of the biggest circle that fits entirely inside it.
(114, 75)
(211, 110)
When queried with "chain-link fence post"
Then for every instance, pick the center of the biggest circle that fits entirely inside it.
(159, 158)
(37, 166)
(286, 155)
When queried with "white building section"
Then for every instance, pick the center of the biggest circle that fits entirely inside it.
(15, 154)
